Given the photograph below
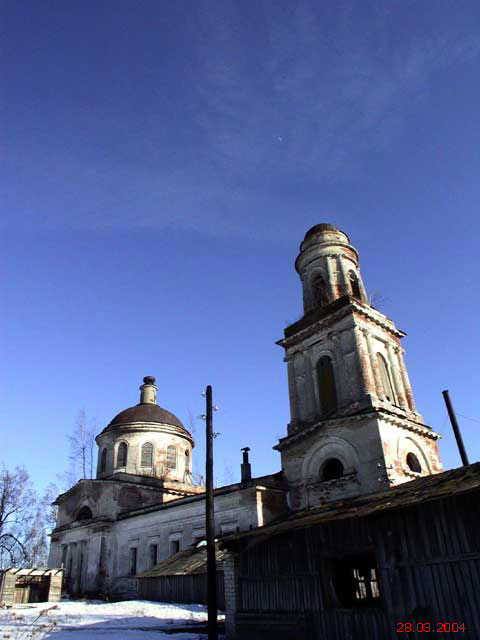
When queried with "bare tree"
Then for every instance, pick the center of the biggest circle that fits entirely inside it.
(22, 532)
(191, 423)
(82, 449)
(377, 300)
(48, 508)
(37, 541)
(198, 460)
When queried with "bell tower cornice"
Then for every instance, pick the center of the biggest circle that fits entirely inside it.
(390, 417)
(328, 316)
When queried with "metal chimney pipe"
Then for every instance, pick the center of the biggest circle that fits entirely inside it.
(245, 467)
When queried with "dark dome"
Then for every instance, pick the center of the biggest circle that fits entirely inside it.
(318, 228)
(145, 412)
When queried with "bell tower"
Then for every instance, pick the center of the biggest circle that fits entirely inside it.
(354, 427)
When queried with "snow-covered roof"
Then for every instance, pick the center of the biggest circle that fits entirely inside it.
(190, 560)
(35, 571)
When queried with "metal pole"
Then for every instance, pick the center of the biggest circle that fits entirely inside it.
(456, 428)
(210, 526)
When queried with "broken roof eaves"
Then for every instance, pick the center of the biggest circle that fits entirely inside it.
(435, 486)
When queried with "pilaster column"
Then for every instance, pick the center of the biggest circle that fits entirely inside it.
(379, 391)
(363, 363)
(65, 558)
(72, 575)
(343, 271)
(310, 400)
(405, 380)
(397, 381)
(66, 569)
(78, 567)
(339, 369)
(362, 288)
(306, 293)
(292, 391)
(331, 288)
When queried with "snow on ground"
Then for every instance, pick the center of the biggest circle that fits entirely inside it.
(97, 620)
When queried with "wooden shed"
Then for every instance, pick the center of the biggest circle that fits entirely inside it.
(400, 563)
(30, 585)
(182, 578)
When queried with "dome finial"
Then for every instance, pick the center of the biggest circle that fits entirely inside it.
(148, 391)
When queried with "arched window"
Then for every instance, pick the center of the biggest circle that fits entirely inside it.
(147, 455)
(385, 376)
(319, 290)
(413, 463)
(355, 286)
(103, 461)
(85, 513)
(171, 457)
(122, 455)
(331, 470)
(326, 386)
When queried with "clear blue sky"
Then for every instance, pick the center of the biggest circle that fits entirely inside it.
(161, 164)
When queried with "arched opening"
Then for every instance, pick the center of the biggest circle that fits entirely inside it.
(354, 285)
(147, 455)
(171, 457)
(103, 461)
(332, 469)
(326, 386)
(414, 463)
(319, 290)
(85, 513)
(122, 454)
(385, 377)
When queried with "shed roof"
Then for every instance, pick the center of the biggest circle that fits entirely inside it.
(427, 488)
(190, 560)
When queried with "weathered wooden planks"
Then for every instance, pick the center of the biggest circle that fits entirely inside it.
(428, 558)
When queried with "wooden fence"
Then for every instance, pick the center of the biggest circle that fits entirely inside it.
(186, 589)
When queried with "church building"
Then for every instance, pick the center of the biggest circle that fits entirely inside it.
(354, 426)
(354, 430)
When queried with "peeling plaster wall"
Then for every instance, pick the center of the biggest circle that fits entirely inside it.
(356, 443)
(375, 424)
(106, 545)
(398, 442)
(135, 436)
(105, 498)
